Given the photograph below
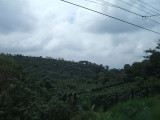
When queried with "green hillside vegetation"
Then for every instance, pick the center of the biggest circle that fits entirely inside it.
(139, 109)
(37, 88)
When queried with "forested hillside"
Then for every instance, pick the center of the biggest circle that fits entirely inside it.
(37, 88)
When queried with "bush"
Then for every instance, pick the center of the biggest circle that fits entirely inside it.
(56, 110)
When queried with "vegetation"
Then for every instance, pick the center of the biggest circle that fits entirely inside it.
(139, 109)
(36, 88)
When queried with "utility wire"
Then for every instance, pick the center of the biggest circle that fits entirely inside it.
(135, 7)
(149, 5)
(143, 6)
(113, 5)
(146, 17)
(151, 16)
(97, 3)
(110, 16)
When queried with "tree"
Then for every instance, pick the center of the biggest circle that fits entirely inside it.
(154, 60)
(127, 68)
(8, 71)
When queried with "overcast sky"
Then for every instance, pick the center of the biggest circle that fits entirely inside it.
(60, 30)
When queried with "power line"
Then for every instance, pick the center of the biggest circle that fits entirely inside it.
(151, 15)
(136, 3)
(97, 3)
(149, 5)
(129, 11)
(143, 6)
(134, 6)
(146, 17)
(110, 16)
(113, 5)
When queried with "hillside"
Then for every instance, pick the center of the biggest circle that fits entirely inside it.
(36, 88)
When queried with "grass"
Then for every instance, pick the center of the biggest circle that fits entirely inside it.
(138, 109)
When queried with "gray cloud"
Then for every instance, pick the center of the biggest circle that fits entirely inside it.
(65, 31)
(14, 16)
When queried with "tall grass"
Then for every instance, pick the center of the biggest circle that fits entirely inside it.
(139, 109)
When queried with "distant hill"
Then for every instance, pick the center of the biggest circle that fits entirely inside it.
(36, 88)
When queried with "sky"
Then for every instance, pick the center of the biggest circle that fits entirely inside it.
(57, 29)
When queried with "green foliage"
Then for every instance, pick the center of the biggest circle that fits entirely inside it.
(154, 60)
(55, 110)
(146, 109)
(36, 88)
(8, 71)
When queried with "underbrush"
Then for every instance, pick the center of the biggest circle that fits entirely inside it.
(138, 109)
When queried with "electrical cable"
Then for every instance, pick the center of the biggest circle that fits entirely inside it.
(113, 5)
(134, 6)
(151, 15)
(110, 16)
(149, 5)
(143, 6)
